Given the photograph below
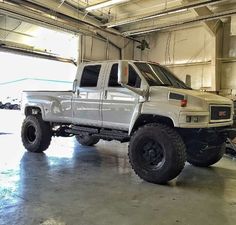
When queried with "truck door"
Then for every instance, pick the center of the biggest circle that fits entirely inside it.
(119, 103)
(87, 99)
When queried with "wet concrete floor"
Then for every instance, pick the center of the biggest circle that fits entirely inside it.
(74, 185)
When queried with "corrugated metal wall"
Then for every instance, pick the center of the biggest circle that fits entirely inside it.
(96, 49)
(187, 51)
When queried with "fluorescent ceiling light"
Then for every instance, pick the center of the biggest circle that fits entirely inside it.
(145, 18)
(105, 4)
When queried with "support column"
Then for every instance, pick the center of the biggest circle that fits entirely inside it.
(128, 49)
(226, 36)
(80, 49)
(221, 50)
(217, 53)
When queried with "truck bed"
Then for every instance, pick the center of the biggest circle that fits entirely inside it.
(56, 106)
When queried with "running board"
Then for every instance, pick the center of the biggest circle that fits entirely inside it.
(105, 134)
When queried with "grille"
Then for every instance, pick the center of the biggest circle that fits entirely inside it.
(220, 112)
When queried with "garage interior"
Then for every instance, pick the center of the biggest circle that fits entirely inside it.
(41, 44)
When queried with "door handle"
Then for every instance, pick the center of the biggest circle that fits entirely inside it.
(105, 94)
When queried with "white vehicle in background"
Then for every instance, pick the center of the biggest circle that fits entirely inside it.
(143, 103)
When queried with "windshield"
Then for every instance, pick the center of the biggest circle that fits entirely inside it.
(157, 75)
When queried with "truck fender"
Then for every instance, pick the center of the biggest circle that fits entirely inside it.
(135, 116)
(48, 106)
(141, 119)
(29, 106)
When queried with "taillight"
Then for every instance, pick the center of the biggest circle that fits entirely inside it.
(183, 102)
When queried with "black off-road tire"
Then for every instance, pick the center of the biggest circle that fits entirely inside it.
(87, 140)
(169, 148)
(36, 134)
(205, 157)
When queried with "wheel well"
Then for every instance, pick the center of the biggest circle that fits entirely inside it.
(149, 118)
(32, 111)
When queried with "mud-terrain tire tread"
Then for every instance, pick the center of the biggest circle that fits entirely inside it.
(43, 131)
(178, 144)
(207, 159)
(87, 141)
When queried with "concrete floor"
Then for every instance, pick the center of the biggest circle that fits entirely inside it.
(74, 185)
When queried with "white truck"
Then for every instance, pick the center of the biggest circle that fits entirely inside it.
(143, 103)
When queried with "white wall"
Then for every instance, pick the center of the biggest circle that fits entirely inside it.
(228, 70)
(96, 49)
(186, 51)
(228, 78)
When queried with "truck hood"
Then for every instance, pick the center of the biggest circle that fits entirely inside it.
(205, 96)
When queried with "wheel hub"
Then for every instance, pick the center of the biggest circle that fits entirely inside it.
(152, 153)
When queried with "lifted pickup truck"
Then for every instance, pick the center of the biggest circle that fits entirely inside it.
(143, 103)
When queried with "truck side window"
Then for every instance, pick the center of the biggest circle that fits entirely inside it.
(134, 79)
(114, 76)
(90, 76)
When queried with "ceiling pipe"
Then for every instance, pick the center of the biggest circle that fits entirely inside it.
(166, 12)
(40, 15)
(36, 18)
(46, 10)
(58, 15)
(58, 24)
(43, 18)
(77, 12)
(61, 3)
(180, 23)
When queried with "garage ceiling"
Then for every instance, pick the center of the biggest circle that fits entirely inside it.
(129, 18)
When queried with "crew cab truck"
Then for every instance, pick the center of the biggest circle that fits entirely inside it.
(143, 103)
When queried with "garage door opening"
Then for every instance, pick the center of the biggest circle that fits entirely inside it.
(20, 73)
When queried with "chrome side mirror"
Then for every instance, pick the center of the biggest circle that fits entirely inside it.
(123, 72)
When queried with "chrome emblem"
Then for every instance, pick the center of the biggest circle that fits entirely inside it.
(222, 113)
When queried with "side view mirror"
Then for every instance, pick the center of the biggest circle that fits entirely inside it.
(123, 78)
(74, 86)
(123, 72)
(188, 80)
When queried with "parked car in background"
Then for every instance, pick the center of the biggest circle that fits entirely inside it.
(15, 104)
(10, 103)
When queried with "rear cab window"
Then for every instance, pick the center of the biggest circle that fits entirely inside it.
(90, 76)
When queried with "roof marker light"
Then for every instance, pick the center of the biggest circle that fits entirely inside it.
(183, 102)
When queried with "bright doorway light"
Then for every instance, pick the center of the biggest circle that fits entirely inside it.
(105, 4)
(30, 73)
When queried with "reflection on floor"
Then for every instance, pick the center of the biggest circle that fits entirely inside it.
(74, 185)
